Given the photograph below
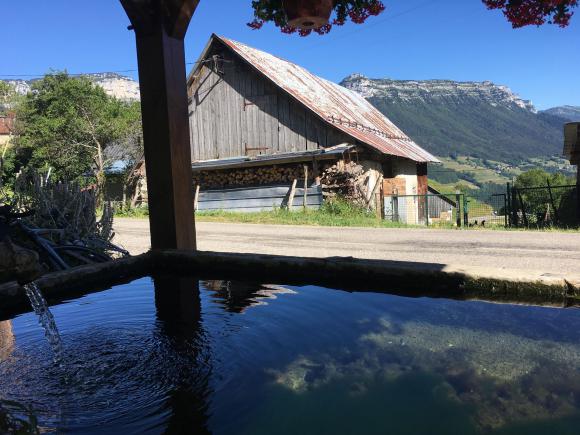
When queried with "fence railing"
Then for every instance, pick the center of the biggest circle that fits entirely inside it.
(531, 207)
(431, 209)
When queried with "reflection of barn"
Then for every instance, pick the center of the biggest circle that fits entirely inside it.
(237, 296)
(258, 123)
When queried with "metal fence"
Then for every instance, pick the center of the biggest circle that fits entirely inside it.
(530, 207)
(431, 209)
(486, 210)
(545, 206)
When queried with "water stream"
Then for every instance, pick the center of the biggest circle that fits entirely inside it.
(46, 320)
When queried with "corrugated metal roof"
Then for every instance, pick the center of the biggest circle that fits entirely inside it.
(345, 109)
(6, 124)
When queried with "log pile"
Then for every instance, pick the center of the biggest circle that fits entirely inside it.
(344, 179)
(253, 176)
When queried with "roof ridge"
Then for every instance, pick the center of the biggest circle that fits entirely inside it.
(331, 103)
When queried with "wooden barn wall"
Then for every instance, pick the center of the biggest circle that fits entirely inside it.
(237, 112)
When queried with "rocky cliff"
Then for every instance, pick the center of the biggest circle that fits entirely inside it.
(568, 113)
(436, 91)
(116, 85)
(479, 119)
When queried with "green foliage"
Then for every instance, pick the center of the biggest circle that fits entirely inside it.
(540, 204)
(475, 128)
(7, 96)
(66, 123)
(341, 207)
(132, 212)
(539, 177)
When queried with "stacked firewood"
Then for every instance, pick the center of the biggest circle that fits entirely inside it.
(344, 179)
(262, 175)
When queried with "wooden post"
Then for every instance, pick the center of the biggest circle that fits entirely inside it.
(292, 193)
(160, 27)
(196, 198)
(578, 192)
(305, 199)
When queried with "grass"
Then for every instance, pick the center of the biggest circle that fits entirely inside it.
(332, 214)
(336, 213)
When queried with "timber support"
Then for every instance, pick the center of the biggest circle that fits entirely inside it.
(160, 27)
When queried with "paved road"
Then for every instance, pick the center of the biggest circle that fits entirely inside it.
(518, 251)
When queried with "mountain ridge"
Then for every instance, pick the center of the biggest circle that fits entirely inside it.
(119, 86)
(478, 119)
(567, 112)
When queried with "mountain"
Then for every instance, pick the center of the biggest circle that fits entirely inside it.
(478, 119)
(569, 113)
(116, 85)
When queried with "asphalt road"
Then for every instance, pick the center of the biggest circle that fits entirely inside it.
(518, 251)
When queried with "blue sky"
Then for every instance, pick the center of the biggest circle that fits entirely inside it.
(412, 39)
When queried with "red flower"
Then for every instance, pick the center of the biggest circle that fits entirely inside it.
(535, 12)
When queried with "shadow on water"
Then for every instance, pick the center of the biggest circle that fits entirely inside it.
(178, 310)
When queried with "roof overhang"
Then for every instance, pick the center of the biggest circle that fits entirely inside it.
(333, 153)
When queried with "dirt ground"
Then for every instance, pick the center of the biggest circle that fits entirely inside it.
(520, 252)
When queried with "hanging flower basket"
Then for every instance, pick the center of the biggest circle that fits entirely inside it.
(307, 14)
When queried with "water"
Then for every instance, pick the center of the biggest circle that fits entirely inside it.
(46, 320)
(248, 358)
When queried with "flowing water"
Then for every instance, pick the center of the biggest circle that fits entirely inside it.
(46, 320)
(247, 358)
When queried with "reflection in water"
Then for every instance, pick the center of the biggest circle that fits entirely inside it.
(6, 339)
(504, 377)
(237, 296)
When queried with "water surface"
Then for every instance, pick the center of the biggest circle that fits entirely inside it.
(246, 358)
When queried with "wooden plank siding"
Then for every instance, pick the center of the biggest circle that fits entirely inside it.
(236, 112)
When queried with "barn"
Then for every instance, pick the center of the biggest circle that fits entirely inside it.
(267, 133)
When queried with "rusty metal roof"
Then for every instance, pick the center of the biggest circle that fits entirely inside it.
(344, 109)
(6, 124)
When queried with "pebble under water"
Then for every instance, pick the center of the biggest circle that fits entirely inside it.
(246, 358)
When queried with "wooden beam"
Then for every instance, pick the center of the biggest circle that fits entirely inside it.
(146, 14)
(160, 27)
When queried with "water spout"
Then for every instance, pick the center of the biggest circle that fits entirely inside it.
(46, 320)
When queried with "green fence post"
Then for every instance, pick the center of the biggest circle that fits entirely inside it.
(508, 208)
(465, 211)
(458, 208)
(427, 209)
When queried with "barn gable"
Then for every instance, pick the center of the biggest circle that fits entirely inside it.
(245, 102)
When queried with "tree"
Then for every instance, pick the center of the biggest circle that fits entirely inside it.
(539, 178)
(7, 95)
(66, 123)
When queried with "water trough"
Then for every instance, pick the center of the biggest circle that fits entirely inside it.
(393, 277)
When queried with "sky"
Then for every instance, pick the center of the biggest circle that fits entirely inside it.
(412, 39)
